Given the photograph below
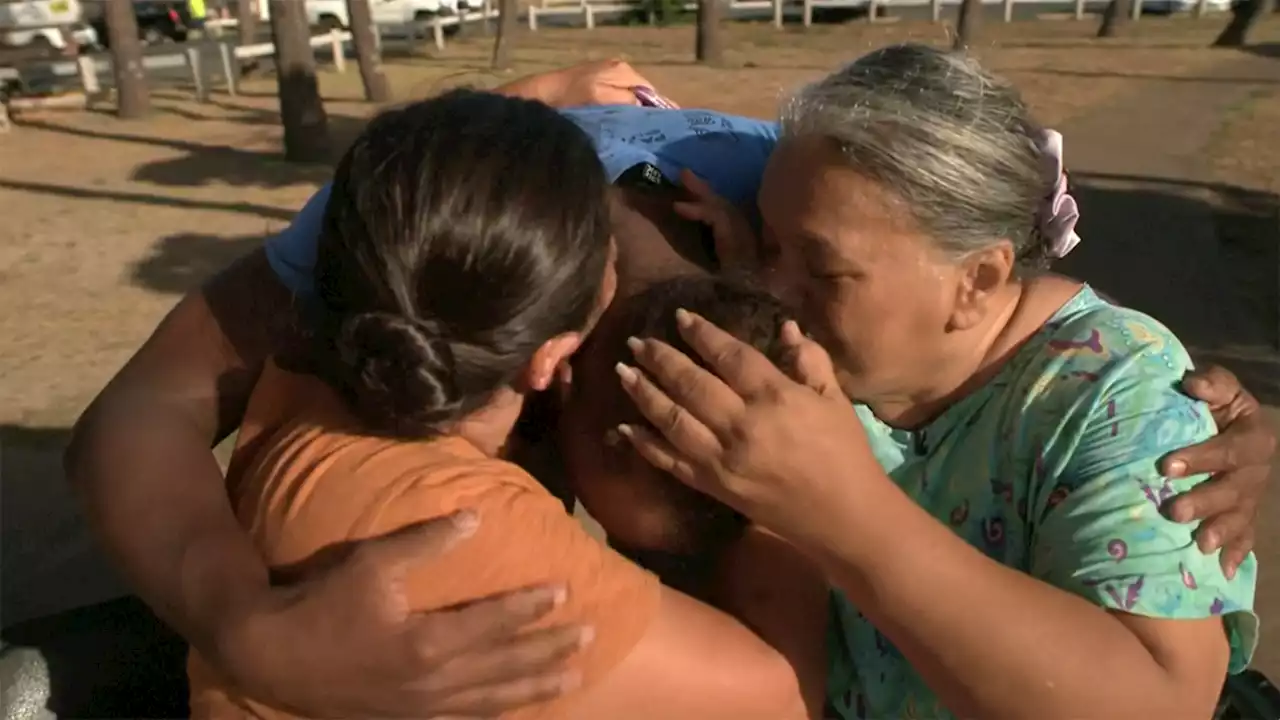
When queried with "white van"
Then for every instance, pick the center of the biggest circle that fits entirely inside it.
(333, 13)
(27, 23)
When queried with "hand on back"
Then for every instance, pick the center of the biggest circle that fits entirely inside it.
(342, 642)
(1239, 460)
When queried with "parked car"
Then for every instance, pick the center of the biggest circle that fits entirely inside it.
(333, 13)
(159, 21)
(40, 25)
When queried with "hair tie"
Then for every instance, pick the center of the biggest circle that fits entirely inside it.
(1058, 212)
(648, 97)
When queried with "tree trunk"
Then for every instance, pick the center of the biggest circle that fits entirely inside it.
(502, 40)
(1243, 17)
(1114, 17)
(133, 97)
(967, 25)
(710, 43)
(365, 39)
(306, 126)
(247, 19)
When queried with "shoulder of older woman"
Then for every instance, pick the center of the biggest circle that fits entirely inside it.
(1100, 408)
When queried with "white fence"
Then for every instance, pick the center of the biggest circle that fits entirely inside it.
(90, 69)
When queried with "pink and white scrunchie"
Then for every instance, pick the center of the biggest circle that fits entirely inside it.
(1058, 212)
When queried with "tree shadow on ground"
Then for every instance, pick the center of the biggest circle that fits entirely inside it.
(265, 211)
(202, 164)
(1202, 258)
(179, 263)
(1268, 50)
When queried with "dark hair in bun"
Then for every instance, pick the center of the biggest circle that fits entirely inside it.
(462, 232)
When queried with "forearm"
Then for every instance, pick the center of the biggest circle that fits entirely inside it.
(990, 641)
(547, 87)
(140, 458)
(156, 495)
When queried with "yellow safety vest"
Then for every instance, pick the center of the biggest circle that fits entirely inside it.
(197, 9)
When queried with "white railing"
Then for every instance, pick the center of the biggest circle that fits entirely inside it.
(90, 69)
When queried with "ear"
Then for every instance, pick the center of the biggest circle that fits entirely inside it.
(550, 358)
(982, 275)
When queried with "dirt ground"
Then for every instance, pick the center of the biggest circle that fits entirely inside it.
(105, 223)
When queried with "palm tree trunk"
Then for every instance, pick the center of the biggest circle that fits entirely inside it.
(133, 96)
(1114, 17)
(306, 126)
(1243, 17)
(967, 24)
(364, 36)
(709, 49)
(502, 39)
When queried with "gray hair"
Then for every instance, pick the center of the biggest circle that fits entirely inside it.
(954, 142)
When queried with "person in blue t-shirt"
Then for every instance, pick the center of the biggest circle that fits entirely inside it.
(637, 145)
(140, 454)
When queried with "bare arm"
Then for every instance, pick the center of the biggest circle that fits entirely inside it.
(602, 82)
(140, 455)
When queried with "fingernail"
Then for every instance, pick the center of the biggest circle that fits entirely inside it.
(683, 318)
(1230, 572)
(625, 430)
(1211, 541)
(791, 332)
(1181, 512)
(587, 636)
(1177, 468)
(635, 344)
(559, 595)
(626, 373)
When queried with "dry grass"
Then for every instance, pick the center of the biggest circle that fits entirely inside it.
(1247, 152)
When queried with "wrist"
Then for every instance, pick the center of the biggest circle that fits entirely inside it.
(860, 523)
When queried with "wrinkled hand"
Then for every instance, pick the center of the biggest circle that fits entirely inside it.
(342, 643)
(605, 82)
(736, 244)
(1239, 459)
(777, 450)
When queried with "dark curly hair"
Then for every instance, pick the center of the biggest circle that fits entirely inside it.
(462, 232)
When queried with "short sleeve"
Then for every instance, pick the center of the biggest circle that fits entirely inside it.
(1103, 535)
(728, 151)
(292, 252)
(526, 538)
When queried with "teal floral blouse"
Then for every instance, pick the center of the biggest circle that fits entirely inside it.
(1051, 468)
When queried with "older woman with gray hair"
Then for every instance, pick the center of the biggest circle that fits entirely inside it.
(989, 508)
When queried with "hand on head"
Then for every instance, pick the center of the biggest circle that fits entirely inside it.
(342, 641)
(743, 431)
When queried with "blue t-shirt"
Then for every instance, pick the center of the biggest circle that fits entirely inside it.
(728, 151)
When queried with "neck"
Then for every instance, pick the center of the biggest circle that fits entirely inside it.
(490, 427)
(974, 360)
